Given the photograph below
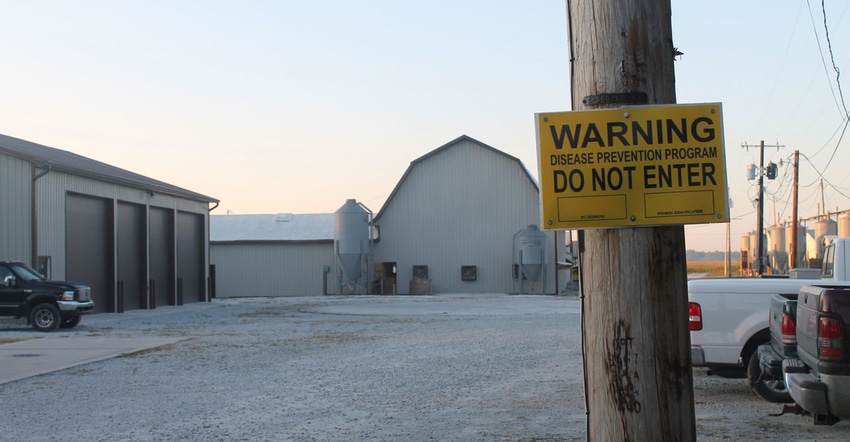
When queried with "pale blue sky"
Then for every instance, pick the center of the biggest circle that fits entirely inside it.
(295, 106)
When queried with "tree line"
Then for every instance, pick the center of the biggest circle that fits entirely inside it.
(698, 255)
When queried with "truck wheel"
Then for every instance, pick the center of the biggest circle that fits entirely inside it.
(70, 321)
(766, 386)
(45, 317)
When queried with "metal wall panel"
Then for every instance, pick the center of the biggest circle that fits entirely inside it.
(15, 209)
(272, 269)
(460, 207)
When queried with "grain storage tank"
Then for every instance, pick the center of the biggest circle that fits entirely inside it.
(801, 245)
(824, 227)
(746, 254)
(351, 243)
(754, 251)
(844, 225)
(777, 253)
(530, 257)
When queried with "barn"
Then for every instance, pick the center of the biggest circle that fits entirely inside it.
(451, 223)
(457, 222)
(136, 241)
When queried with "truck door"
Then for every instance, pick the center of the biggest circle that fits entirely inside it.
(12, 297)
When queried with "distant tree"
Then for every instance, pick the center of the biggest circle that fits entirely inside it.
(699, 255)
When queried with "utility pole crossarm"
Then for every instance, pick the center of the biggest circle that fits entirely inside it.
(760, 222)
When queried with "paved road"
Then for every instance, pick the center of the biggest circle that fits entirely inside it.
(25, 353)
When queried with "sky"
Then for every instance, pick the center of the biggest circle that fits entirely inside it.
(296, 106)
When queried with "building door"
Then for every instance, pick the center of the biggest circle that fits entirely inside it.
(162, 256)
(132, 259)
(190, 256)
(88, 247)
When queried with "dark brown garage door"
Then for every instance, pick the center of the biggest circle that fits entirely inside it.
(132, 272)
(190, 256)
(162, 256)
(88, 246)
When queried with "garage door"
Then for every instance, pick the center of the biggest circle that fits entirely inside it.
(88, 247)
(190, 256)
(162, 256)
(132, 272)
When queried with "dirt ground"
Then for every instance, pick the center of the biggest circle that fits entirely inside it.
(448, 367)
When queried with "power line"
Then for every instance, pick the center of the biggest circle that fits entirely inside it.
(825, 180)
(832, 59)
(838, 143)
(823, 61)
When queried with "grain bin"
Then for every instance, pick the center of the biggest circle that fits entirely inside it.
(530, 257)
(746, 254)
(352, 241)
(776, 249)
(801, 244)
(844, 225)
(823, 228)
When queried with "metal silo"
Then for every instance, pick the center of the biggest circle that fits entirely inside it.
(754, 251)
(844, 225)
(824, 227)
(777, 253)
(801, 245)
(746, 253)
(530, 257)
(352, 241)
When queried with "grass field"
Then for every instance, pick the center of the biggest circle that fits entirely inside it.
(713, 268)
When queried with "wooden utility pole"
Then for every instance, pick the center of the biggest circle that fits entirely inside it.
(760, 260)
(639, 384)
(792, 262)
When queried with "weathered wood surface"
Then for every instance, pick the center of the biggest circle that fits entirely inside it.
(637, 346)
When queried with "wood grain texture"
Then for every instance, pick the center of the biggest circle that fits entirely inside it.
(636, 337)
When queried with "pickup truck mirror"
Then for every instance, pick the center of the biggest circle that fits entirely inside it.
(9, 281)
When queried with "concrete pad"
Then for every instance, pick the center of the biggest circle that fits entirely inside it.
(31, 357)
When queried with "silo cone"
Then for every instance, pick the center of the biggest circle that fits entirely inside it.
(531, 264)
(351, 264)
(530, 245)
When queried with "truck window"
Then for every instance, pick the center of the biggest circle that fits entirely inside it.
(828, 261)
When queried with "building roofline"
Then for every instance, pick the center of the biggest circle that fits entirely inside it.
(52, 159)
(446, 146)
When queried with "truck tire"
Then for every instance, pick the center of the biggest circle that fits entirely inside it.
(70, 321)
(45, 317)
(766, 386)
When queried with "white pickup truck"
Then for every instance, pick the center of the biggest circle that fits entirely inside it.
(729, 318)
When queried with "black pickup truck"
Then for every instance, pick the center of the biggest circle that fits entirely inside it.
(811, 351)
(24, 293)
(768, 381)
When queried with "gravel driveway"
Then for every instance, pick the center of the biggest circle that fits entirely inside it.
(447, 367)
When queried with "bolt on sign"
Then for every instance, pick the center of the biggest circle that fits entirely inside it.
(632, 166)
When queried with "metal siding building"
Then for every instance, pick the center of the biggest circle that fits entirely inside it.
(273, 255)
(460, 205)
(138, 242)
(15, 208)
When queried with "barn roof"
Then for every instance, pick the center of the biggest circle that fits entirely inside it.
(50, 158)
(283, 227)
(443, 148)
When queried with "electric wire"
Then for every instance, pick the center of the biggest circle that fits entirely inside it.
(825, 180)
(770, 96)
(832, 59)
(823, 60)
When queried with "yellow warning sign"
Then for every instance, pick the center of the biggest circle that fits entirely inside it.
(632, 166)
